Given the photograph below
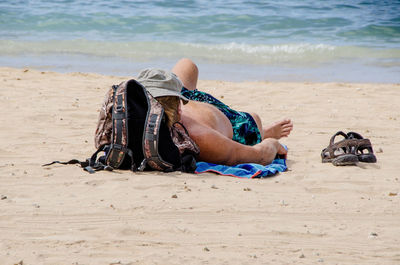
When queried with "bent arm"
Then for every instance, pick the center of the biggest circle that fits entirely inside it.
(219, 149)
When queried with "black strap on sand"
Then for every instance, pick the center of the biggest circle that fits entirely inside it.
(91, 164)
(84, 164)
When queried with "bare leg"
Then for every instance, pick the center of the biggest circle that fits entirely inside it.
(187, 72)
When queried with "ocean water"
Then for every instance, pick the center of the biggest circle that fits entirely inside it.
(353, 41)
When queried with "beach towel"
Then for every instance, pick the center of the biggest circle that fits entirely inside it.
(248, 170)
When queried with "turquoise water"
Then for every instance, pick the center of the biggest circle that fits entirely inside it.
(357, 41)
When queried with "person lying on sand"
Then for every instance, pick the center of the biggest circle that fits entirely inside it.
(224, 136)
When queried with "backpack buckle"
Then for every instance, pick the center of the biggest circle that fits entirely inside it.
(119, 108)
(142, 165)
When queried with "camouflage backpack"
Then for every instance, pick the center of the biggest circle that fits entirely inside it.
(132, 133)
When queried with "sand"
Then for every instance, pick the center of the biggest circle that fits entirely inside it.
(312, 214)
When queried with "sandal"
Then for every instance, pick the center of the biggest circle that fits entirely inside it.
(364, 150)
(341, 153)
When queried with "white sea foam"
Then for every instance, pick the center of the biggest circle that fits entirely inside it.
(299, 48)
(229, 52)
(301, 54)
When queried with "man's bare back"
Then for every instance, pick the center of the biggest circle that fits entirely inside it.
(208, 115)
(212, 117)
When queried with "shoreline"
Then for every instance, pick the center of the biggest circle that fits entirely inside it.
(353, 71)
(117, 76)
(63, 215)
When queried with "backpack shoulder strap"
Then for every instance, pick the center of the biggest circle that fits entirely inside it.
(151, 132)
(119, 139)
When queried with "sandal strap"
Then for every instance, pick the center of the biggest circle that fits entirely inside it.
(332, 141)
(354, 135)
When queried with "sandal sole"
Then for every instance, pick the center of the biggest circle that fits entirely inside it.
(367, 158)
(345, 160)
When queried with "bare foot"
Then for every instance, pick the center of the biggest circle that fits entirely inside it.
(278, 129)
